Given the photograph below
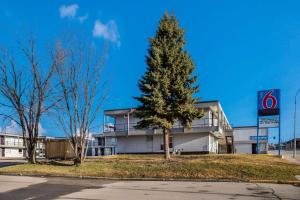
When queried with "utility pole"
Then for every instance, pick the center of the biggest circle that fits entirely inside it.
(295, 114)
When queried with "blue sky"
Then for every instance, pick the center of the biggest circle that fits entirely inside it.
(239, 47)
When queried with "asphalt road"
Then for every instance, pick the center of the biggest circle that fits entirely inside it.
(9, 162)
(25, 188)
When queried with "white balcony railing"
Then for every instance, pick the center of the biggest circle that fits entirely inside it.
(201, 123)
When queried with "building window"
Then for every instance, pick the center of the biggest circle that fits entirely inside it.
(20, 150)
(170, 143)
(2, 140)
(113, 140)
(101, 141)
(149, 138)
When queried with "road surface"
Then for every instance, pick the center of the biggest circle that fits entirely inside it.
(9, 162)
(21, 187)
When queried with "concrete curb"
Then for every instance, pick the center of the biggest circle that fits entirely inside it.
(157, 179)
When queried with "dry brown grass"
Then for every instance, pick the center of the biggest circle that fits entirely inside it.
(237, 167)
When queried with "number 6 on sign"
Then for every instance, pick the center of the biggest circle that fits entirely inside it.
(269, 98)
(268, 102)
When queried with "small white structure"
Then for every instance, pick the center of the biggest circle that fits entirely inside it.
(121, 137)
(11, 146)
(101, 145)
(245, 140)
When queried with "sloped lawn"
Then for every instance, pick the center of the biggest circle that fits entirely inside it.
(221, 167)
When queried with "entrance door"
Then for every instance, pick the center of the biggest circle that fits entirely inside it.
(3, 152)
(96, 151)
(254, 148)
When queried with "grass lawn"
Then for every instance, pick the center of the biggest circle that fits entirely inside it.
(237, 167)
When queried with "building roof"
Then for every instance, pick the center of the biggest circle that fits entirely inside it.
(11, 134)
(245, 126)
(133, 108)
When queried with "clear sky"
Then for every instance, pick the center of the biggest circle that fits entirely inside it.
(239, 47)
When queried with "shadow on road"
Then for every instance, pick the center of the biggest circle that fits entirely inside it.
(49, 190)
(43, 191)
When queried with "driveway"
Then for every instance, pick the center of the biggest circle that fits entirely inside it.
(9, 162)
(16, 187)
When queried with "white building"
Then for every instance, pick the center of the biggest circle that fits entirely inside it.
(11, 145)
(121, 137)
(245, 140)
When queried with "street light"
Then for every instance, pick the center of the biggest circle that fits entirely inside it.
(294, 153)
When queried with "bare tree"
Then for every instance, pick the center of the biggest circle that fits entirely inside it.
(79, 75)
(26, 92)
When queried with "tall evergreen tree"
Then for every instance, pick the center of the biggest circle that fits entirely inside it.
(167, 86)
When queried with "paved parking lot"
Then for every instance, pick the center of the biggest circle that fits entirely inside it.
(17, 187)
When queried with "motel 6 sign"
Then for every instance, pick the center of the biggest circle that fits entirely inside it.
(268, 113)
(268, 102)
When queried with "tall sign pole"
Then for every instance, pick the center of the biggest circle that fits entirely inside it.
(268, 112)
(257, 127)
(295, 113)
(279, 131)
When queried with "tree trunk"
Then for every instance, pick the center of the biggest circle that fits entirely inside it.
(79, 155)
(31, 154)
(77, 159)
(166, 144)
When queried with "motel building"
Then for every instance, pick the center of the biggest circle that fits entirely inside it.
(12, 146)
(210, 134)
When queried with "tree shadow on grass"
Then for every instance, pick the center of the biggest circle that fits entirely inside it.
(57, 163)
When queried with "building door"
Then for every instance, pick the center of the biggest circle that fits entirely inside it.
(254, 148)
(96, 151)
(102, 151)
(3, 152)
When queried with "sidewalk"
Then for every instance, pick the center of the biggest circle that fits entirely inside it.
(288, 155)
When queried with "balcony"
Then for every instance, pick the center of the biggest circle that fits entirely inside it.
(201, 125)
(12, 144)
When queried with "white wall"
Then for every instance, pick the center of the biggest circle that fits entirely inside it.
(243, 134)
(13, 153)
(187, 142)
(243, 148)
(191, 142)
(242, 142)
(135, 144)
(213, 144)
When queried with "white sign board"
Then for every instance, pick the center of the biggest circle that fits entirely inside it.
(269, 122)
